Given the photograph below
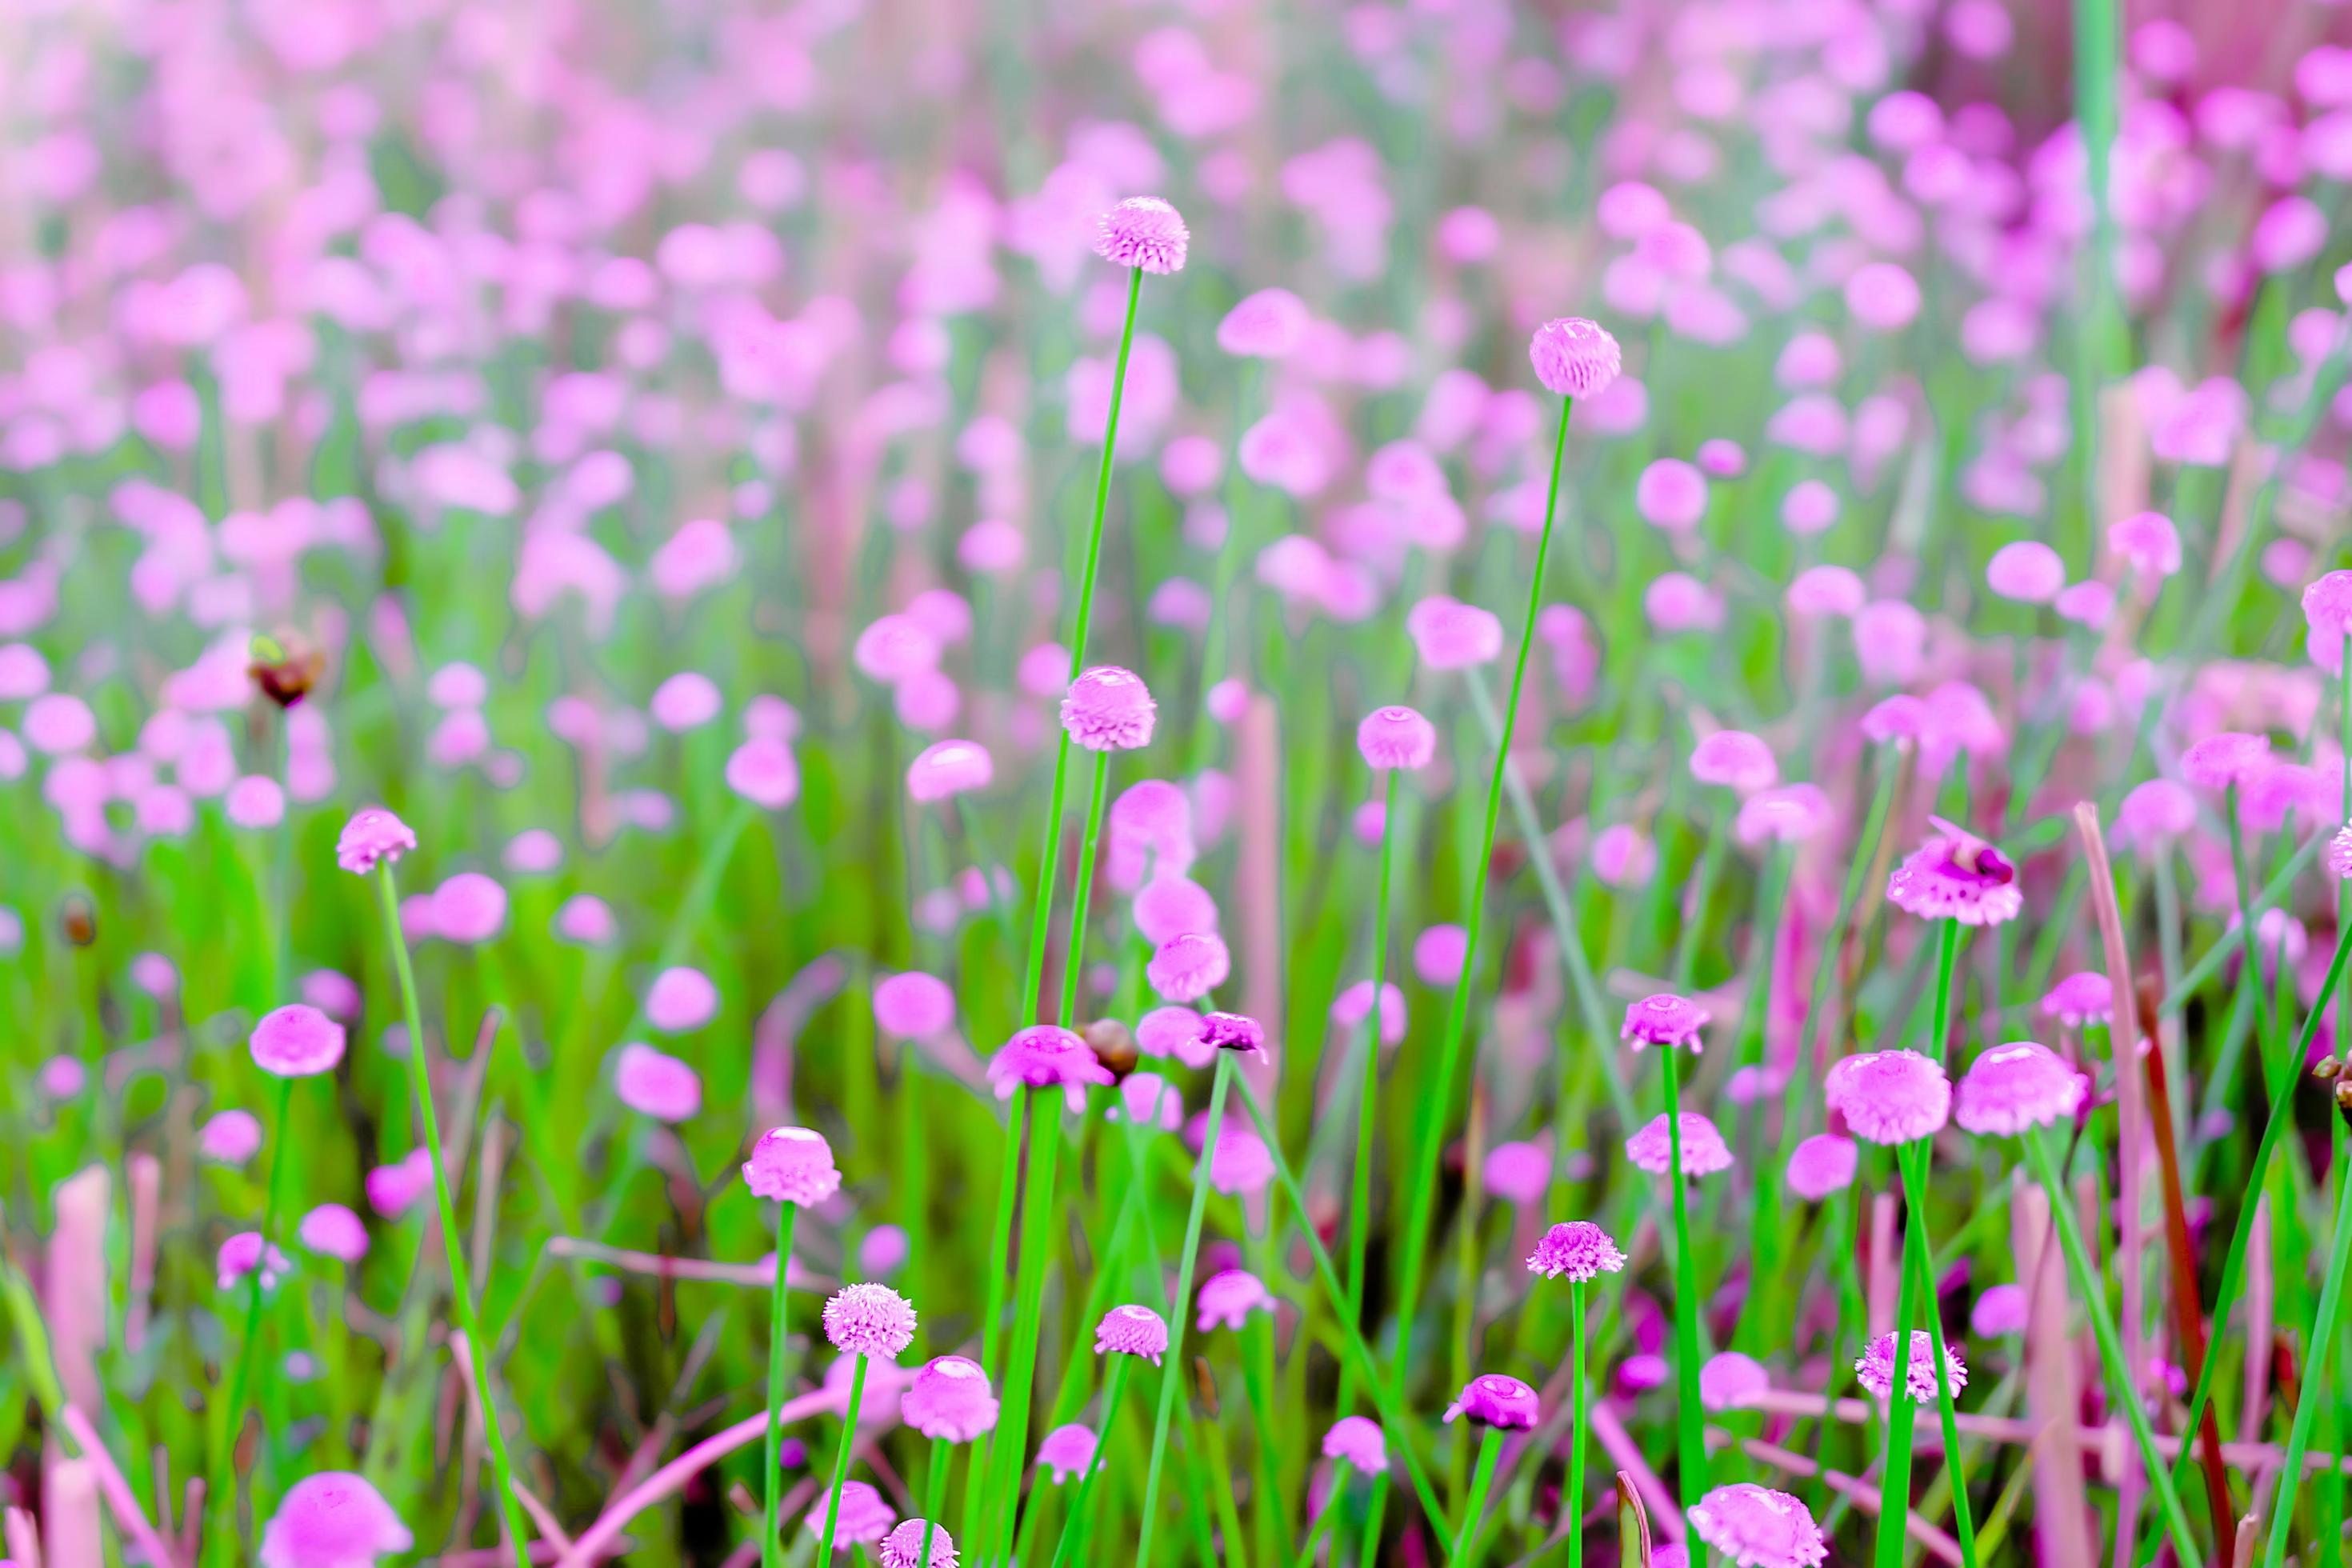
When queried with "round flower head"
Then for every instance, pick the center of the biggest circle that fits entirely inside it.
(1067, 1451)
(296, 1041)
(1822, 1164)
(1227, 1299)
(2217, 762)
(1169, 906)
(2339, 855)
(950, 1399)
(331, 1519)
(334, 1231)
(2026, 571)
(655, 1085)
(1268, 324)
(763, 771)
(869, 1319)
(1108, 710)
(947, 768)
(232, 1137)
(1357, 1440)
(2088, 997)
(863, 1518)
(241, 1254)
(1143, 232)
(1782, 814)
(1493, 1400)
(793, 1165)
(1734, 759)
(1132, 1330)
(903, 1547)
(913, 1005)
(1703, 1151)
(1187, 968)
(371, 835)
(1231, 1032)
(1451, 634)
(1574, 357)
(1889, 1096)
(1956, 876)
(1731, 1380)
(468, 908)
(1757, 1527)
(680, 998)
(2014, 1087)
(1396, 737)
(1043, 1055)
(1876, 1367)
(1578, 1248)
(1665, 1020)
(393, 1190)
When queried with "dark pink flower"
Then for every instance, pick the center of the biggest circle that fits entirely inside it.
(331, 1519)
(1875, 1369)
(1822, 1164)
(793, 1165)
(1889, 1096)
(1956, 875)
(869, 1319)
(1492, 1399)
(2012, 1088)
(296, 1041)
(1665, 1020)
(2088, 997)
(903, 1547)
(1578, 1248)
(1132, 1330)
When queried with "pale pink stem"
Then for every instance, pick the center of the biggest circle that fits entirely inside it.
(1258, 761)
(146, 1189)
(74, 1291)
(693, 1462)
(493, 1556)
(121, 1501)
(2260, 1288)
(665, 1267)
(1863, 1495)
(1884, 1250)
(70, 1535)
(24, 1541)
(1618, 1444)
(2062, 1519)
(542, 1518)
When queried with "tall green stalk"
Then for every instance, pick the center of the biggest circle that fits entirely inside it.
(1580, 1393)
(1360, 1221)
(223, 1474)
(770, 1478)
(1421, 1175)
(840, 1458)
(1072, 1523)
(1690, 1412)
(1465, 1529)
(1918, 1254)
(2318, 1361)
(461, 1288)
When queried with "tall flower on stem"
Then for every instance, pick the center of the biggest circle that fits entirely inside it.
(948, 1402)
(793, 1166)
(1674, 1023)
(863, 1321)
(2018, 1091)
(1495, 1404)
(1574, 358)
(1579, 1251)
(1125, 1334)
(370, 843)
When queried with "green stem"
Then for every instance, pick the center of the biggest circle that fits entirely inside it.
(771, 1551)
(1710, 867)
(225, 1443)
(1325, 1520)
(1071, 1522)
(1073, 966)
(1690, 1414)
(461, 1287)
(2251, 974)
(1947, 958)
(1008, 1449)
(1912, 1159)
(1373, 1509)
(1895, 1479)
(1580, 1391)
(1489, 1447)
(2120, 1386)
(1422, 1175)
(935, 1492)
(1171, 1368)
(841, 1459)
(1359, 1212)
(2322, 1352)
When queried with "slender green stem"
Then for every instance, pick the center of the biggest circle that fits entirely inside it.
(841, 1459)
(1918, 1254)
(1690, 1414)
(1580, 1392)
(461, 1289)
(1710, 867)
(1373, 1510)
(1073, 962)
(233, 1412)
(1359, 1208)
(935, 1492)
(1482, 1478)
(771, 1476)
(1008, 1451)
(1071, 1523)
(1171, 1368)
(2318, 1358)
(1325, 1520)
(1895, 1473)
(2251, 974)
(1948, 959)
(2120, 1386)
(1422, 1176)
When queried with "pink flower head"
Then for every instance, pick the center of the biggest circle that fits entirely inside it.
(1045, 1055)
(241, 1254)
(1492, 1399)
(950, 1400)
(1782, 814)
(2339, 855)
(1235, 1032)
(1396, 737)
(2001, 1310)
(1438, 952)
(869, 1319)
(372, 835)
(1665, 1020)
(861, 1519)
(1174, 1032)
(1188, 967)
(296, 1041)
(334, 1231)
(333, 1518)
(1889, 1096)
(792, 1166)
(2328, 610)
(763, 772)
(1882, 296)
(230, 1138)
(2088, 997)
(2149, 541)
(468, 908)
(1704, 1150)
(2217, 762)
(680, 998)
(2014, 1087)
(1876, 1367)
(393, 1190)
(1227, 1299)
(1067, 1451)
(1357, 1440)
(1956, 876)
(913, 1007)
(1734, 759)
(948, 768)
(1132, 1330)
(1822, 1164)
(655, 1085)
(1143, 232)
(1574, 357)
(1518, 1172)
(1169, 906)
(2026, 571)
(1108, 710)
(1268, 324)
(1450, 635)
(2154, 813)
(255, 802)
(1730, 1381)
(1757, 1527)
(1671, 495)
(903, 1547)
(1578, 1248)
